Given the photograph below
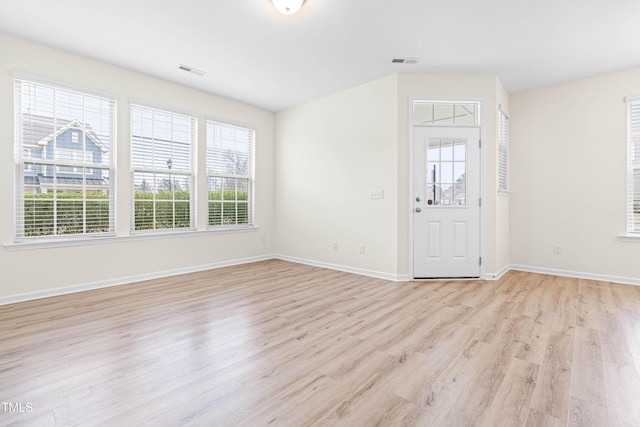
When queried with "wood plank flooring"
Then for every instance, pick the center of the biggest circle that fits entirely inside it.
(278, 343)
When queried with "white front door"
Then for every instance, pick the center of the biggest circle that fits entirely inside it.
(446, 202)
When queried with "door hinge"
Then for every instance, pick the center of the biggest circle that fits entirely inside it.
(480, 143)
(480, 202)
(480, 263)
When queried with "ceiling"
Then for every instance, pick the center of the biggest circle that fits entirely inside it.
(254, 54)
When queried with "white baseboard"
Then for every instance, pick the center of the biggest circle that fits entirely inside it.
(346, 269)
(576, 274)
(360, 271)
(499, 274)
(125, 280)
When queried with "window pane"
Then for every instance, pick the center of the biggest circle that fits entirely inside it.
(243, 213)
(438, 113)
(230, 169)
(164, 214)
(465, 114)
(459, 150)
(144, 214)
(162, 145)
(447, 195)
(38, 215)
(446, 172)
(423, 113)
(460, 196)
(215, 213)
(459, 172)
(443, 114)
(69, 213)
(229, 213)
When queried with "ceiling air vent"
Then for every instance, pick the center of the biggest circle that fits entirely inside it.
(191, 70)
(401, 60)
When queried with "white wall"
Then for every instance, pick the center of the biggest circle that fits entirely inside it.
(329, 154)
(28, 271)
(568, 153)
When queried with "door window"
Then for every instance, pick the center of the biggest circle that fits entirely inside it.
(446, 175)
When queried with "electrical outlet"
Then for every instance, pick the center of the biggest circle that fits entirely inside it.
(334, 246)
(362, 249)
(557, 249)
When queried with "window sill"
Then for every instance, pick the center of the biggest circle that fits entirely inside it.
(635, 238)
(86, 241)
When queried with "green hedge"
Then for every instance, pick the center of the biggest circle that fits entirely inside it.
(228, 208)
(171, 210)
(39, 214)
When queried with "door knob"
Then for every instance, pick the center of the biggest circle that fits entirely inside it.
(418, 210)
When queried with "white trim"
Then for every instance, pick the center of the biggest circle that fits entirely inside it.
(577, 274)
(632, 98)
(629, 238)
(499, 274)
(346, 269)
(126, 280)
(504, 193)
(141, 235)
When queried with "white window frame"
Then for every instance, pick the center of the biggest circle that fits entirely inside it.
(165, 170)
(633, 161)
(213, 173)
(503, 151)
(27, 102)
(455, 113)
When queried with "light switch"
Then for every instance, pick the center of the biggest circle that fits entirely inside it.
(376, 194)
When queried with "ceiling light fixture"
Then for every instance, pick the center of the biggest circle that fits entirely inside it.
(287, 7)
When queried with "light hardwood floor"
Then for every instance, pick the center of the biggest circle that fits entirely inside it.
(277, 343)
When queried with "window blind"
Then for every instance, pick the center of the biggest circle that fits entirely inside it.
(162, 159)
(64, 166)
(503, 151)
(633, 169)
(230, 163)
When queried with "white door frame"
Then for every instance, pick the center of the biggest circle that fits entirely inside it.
(410, 202)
